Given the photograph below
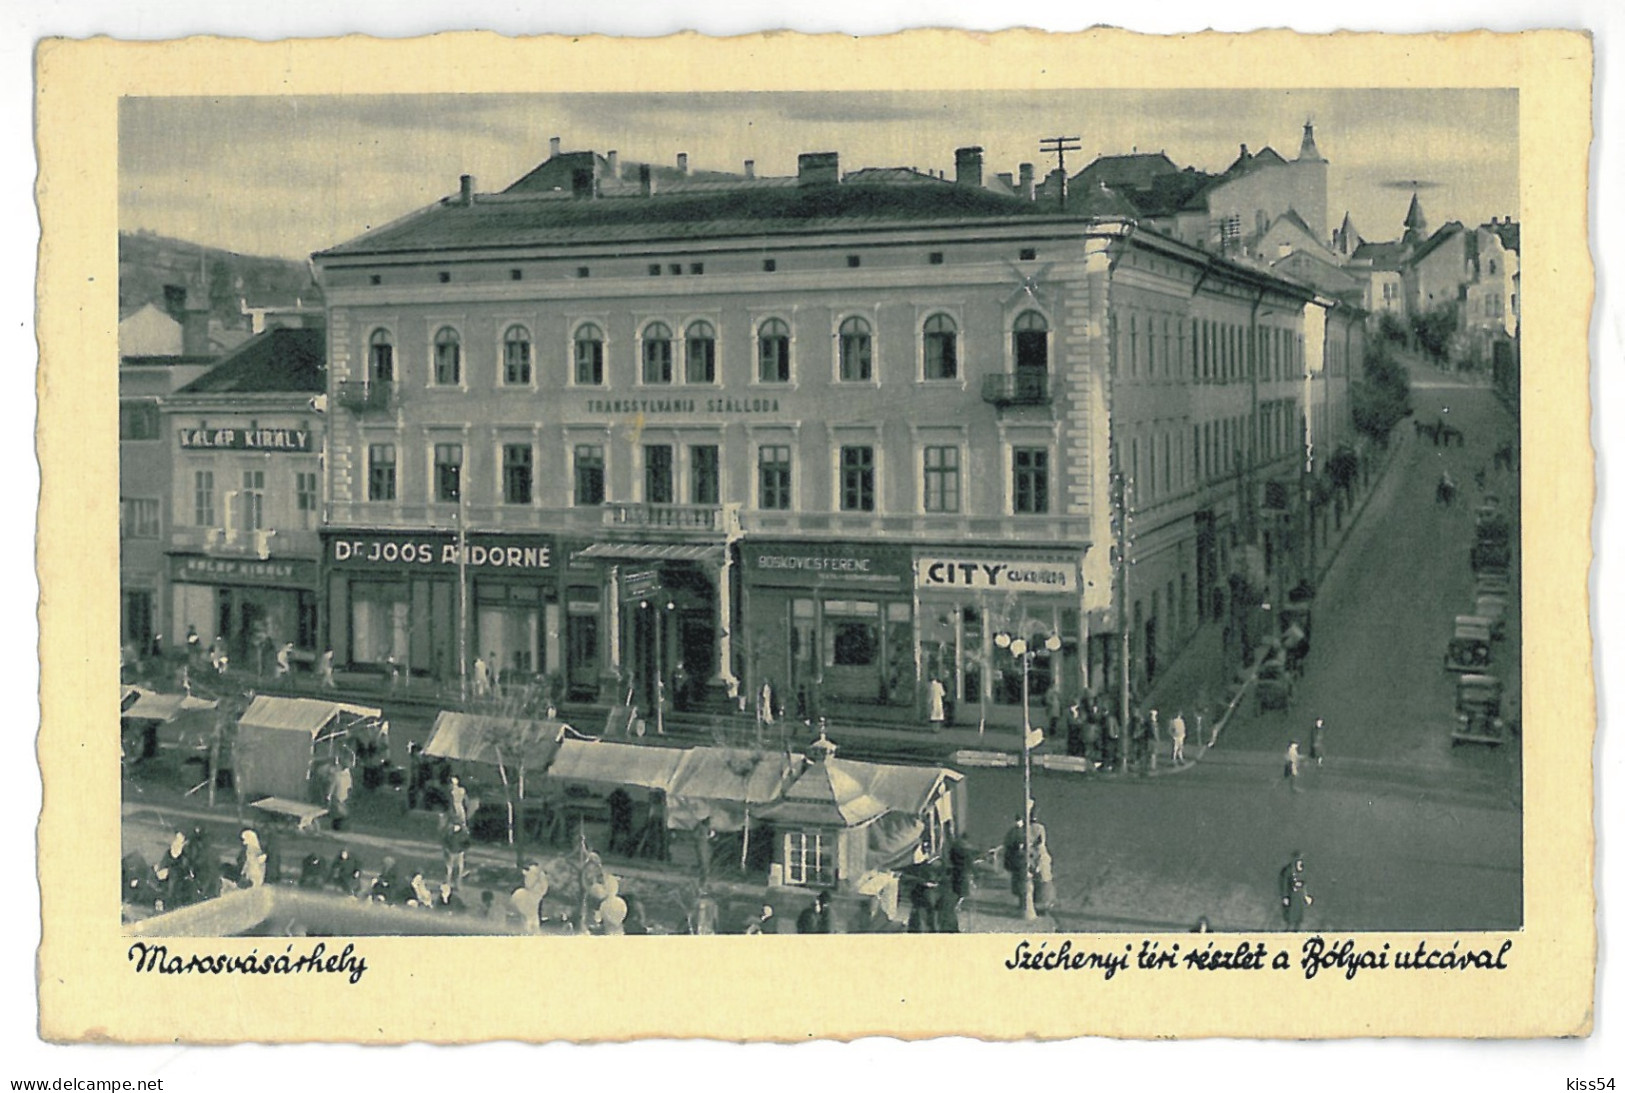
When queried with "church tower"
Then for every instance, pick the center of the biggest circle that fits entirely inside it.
(1309, 184)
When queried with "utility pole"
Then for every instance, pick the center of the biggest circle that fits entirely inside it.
(462, 592)
(1120, 518)
(1059, 147)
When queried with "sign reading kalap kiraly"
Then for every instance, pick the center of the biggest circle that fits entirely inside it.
(993, 574)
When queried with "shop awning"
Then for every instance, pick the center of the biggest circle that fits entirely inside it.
(305, 715)
(654, 552)
(158, 707)
(474, 738)
(604, 762)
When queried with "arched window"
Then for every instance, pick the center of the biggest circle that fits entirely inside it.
(773, 352)
(856, 350)
(700, 353)
(448, 357)
(516, 356)
(381, 357)
(1030, 346)
(941, 348)
(589, 343)
(657, 353)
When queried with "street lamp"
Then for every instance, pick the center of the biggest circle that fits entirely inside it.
(1022, 650)
(660, 665)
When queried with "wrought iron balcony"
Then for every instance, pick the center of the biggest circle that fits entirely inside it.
(365, 396)
(1017, 389)
(242, 544)
(706, 519)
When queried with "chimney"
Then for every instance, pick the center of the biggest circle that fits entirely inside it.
(682, 163)
(750, 168)
(584, 181)
(614, 158)
(818, 169)
(553, 148)
(1007, 178)
(1243, 152)
(646, 182)
(1027, 181)
(465, 190)
(175, 301)
(968, 166)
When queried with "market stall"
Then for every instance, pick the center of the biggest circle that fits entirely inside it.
(281, 741)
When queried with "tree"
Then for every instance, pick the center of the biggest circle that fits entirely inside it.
(1390, 328)
(516, 730)
(1382, 397)
(1435, 328)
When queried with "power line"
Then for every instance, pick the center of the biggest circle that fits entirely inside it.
(1059, 147)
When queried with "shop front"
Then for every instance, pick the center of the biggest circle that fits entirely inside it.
(251, 607)
(415, 602)
(830, 627)
(966, 600)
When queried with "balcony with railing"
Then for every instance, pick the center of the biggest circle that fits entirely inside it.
(259, 543)
(1026, 388)
(365, 396)
(685, 520)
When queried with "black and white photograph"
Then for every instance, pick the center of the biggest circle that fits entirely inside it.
(1103, 523)
(685, 514)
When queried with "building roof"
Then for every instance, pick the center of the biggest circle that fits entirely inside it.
(1437, 240)
(516, 220)
(1384, 256)
(1506, 230)
(1135, 171)
(292, 360)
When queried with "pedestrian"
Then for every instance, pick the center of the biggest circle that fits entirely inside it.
(284, 659)
(419, 894)
(762, 922)
(764, 703)
(250, 860)
(637, 922)
(706, 914)
(482, 678)
(324, 669)
(1053, 707)
(338, 796)
(1112, 751)
(459, 800)
(620, 822)
(961, 867)
(936, 696)
(922, 905)
(818, 917)
(494, 674)
(529, 897)
(1153, 740)
(679, 686)
(704, 836)
(1317, 741)
(1043, 867)
(345, 873)
(454, 843)
(1294, 893)
(194, 645)
(1013, 855)
(387, 886)
(1176, 732)
(1292, 761)
(1074, 729)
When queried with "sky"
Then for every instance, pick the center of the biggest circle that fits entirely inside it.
(288, 176)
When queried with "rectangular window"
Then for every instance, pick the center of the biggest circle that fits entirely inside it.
(251, 502)
(589, 360)
(1031, 466)
(305, 490)
(203, 499)
(381, 472)
(705, 474)
(808, 859)
(857, 478)
(137, 420)
(138, 517)
(448, 472)
(942, 479)
(517, 473)
(657, 474)
(774, 476)
(589, 459)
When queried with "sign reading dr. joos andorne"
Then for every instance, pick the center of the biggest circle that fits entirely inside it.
(998, 574)
(438, 551)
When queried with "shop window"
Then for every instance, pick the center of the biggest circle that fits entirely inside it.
(380, 472)
(856, 358)
(1031, 468)
(657, 354)
(138, 517)
(137, 420)
(251, 502)
(305, 620)
(379, 622)
(942, 479)
(774, 476)
(853, 644)
(705, 471)
(657, 474)
(516, 356)
(808, 859)
(517, 473)
(857, 478)
(448, 358)
(203, 499)
(305, 490)
(589, 353)
(700, 353)
(589, 474)
(941, 348)
(448, 472)
(773, 352)
(381, 357)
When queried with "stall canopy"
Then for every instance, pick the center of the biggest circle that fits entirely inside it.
(824, 795)
(149, 706)
(604, 762)
(477, 738)
(718, 786)
(909, 810)
(278, 738)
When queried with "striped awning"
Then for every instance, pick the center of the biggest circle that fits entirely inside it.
(654, 552)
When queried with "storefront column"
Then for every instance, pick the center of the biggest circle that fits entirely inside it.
(724, 647)
(614, 612)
